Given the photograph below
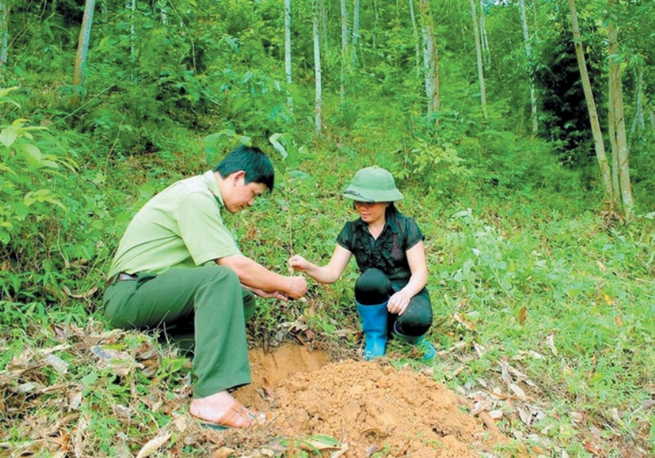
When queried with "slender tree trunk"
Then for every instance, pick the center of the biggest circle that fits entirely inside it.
(162, 12)
(536, 22)
(416, 36)
(638, 124)
(345, 61)
(618, 121)
(591, 107)
(614, 148)
(132, 6)
(355, 31)
(375, 25)
(83, 48)
(430, 59)
(484, 40)
(478, 52)
(4, 34)
(317, 68)
(528, 53)
(323, 27)
(287, 46)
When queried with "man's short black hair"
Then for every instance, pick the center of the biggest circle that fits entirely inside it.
(253, 161)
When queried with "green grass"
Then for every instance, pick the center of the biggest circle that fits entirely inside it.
(535, 289)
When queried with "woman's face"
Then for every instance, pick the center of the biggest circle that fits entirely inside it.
(371, 212)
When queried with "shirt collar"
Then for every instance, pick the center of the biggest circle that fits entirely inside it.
(212, 184)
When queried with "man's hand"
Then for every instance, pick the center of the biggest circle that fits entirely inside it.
(269, 295)
(296, 287)
(258, 277)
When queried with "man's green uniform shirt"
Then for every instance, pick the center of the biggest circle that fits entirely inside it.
(180, 227)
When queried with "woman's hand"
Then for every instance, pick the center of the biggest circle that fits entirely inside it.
(399, 302)
(299, 263)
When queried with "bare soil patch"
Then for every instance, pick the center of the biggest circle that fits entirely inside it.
(367, 407)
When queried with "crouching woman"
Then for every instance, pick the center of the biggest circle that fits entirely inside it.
(390, 294)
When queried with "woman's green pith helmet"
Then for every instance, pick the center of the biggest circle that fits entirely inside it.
(373, 184)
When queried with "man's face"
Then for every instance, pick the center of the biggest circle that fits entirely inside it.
(240, 195)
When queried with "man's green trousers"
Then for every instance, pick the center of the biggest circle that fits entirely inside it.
(209, 300)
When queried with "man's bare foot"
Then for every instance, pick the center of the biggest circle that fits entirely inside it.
(212, 408)
(222, 411)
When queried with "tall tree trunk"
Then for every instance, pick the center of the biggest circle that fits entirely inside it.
(484, 40)
(132, 6)
(287, 46)
(610, 195)
(4, 35)
(162, 12)
(535, 16)
(528, 53)
(638, 124)
(345, 60)
(478, 52)
(83, 48)
(375, 25)
(614, 148)
(416, 36)
(317, 68)
(617, 118)
(355, 31)
(430, 59)
(323, 27)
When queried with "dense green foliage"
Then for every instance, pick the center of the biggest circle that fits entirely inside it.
(524, 264)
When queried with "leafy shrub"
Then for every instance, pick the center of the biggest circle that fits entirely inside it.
(431, 163)
(27, 165)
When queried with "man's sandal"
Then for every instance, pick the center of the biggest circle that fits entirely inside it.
(238, 417)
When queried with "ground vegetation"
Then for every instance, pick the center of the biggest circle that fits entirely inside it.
(542, 290)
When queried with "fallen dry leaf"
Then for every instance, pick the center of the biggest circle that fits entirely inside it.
(371, 449)
(86, 295)
(78, 438)
(181, 423)
(457, 346)
(522, 316)
(153, 445)
(57, 363)
(550, 340)
(223, 452)
(524, 415)
(74, 399)
(120, 362)
(591, 448)
(576, 417)
(464, 322)
(341, 452)
(517, 390)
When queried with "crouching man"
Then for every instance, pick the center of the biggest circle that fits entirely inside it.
(178, 267)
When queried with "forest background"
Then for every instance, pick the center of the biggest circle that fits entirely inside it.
(509, 137)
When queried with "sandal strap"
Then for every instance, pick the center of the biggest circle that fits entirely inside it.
(237, 416)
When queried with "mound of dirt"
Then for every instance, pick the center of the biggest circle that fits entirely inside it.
(365, 406)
